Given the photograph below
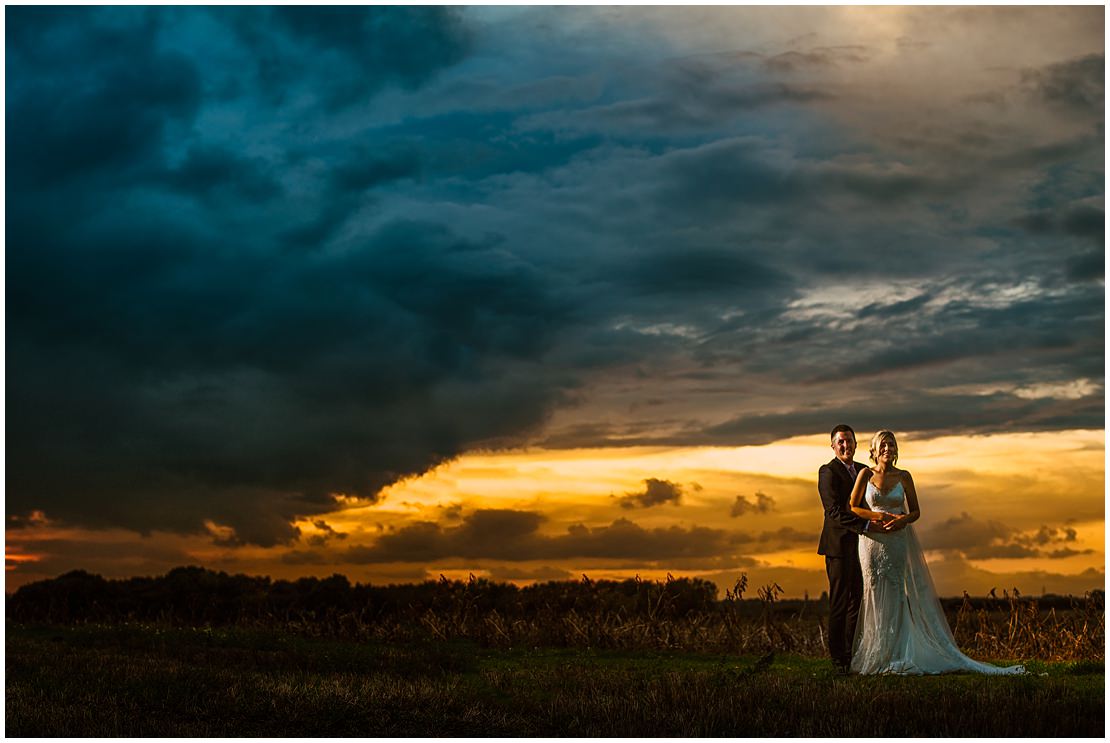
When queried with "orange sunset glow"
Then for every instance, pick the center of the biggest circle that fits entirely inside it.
(979, 503)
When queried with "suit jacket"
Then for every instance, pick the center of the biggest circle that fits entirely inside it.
(840, 535)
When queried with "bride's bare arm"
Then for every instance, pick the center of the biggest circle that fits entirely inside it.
(856, 499)
(913, 511)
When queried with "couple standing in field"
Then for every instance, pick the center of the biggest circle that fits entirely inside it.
(884, 614)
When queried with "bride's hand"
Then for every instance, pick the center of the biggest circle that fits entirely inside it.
(881, 524)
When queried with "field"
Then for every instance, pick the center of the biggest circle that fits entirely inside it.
(152, 681)
(197, 653)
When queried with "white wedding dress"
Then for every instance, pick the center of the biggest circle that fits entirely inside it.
(901, 628)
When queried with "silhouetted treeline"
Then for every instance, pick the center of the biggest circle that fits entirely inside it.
(195, 596)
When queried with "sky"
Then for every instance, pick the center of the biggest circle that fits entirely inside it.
(530, 292)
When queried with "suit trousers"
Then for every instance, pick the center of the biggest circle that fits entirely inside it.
(845, 595)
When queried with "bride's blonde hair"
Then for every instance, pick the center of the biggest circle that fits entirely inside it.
(877, 441)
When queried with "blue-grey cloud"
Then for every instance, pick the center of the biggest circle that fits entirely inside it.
(218, 173)
(325, 370)
(343, 55)
(1081, 220)
(89, 101)
(1075, 84)
(260, 256)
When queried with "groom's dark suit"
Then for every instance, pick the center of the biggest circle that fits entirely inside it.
(839, 544)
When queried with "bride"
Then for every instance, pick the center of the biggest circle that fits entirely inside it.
(901, 628)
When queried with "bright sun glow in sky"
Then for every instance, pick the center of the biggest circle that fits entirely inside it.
(1000, 480)
(1011, 479)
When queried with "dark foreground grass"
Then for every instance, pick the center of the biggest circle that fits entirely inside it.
(148, 681)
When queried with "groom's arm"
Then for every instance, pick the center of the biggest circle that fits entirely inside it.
(833, 510)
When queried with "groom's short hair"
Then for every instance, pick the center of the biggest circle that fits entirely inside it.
(842, 427)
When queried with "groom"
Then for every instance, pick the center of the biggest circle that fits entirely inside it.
(839, 544)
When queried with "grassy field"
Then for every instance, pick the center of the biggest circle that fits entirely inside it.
(144, 680)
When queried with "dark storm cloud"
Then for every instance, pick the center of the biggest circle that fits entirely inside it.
(903, 307)
(947, 334)
(755, 96)
(1062, 153)
(1048, 535)
(258, 256)
(349, 52)
(327, 533)
(54, 552)
(1000, 551)
(786, 535)
(476, 145)
(493, 533)
(452, 512)
(681, 114)
(215, 172)
(89, 100)
(928, 415)
(1057, 324)
(304, 557)
(1082, 221)
(502, 534)
(978, 539)
(357, 369)
(1075, 84)
(367, 169)
(1067, 552)
(963, 532)
(698, 270)
(819, 57)
(746, 174)
(932, 414)
(728, 175)
(181, 363)
(702, 92)
(762, 503)
(604, 434)
(656, 492)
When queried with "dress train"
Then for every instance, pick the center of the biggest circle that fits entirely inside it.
(902, 628)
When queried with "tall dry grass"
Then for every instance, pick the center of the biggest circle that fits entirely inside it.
(1015, 627)
(676, 614)
(1018, 627)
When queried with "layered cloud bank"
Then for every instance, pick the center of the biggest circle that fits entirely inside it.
(265, 262)
(997, 511)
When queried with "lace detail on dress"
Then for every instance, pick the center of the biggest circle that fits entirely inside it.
(886, 554)
(902, 628)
